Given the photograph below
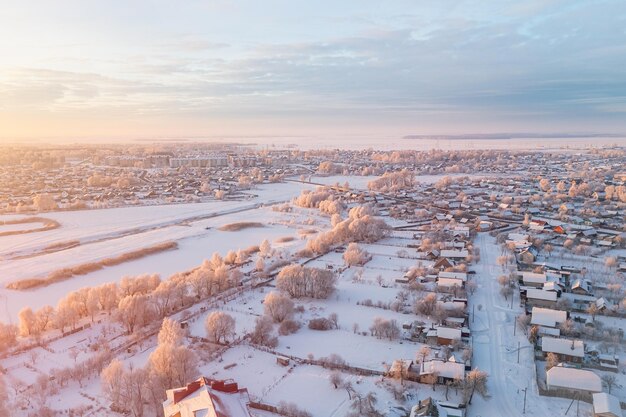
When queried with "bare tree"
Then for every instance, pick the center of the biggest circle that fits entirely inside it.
(335, 379)
(262, 333)
(523, 321)
(593, 310)
(383, 328)
(471, 287)
(8, 335)
(4, 399)
(608, 381)
(427, 304)
(475, 381)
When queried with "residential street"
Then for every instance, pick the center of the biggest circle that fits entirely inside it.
(495, 347)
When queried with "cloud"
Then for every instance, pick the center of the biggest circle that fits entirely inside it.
(547, 60)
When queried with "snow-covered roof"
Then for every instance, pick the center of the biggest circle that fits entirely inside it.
(541, 294)
(582, 284)
(449, 282)
(202, 399)
(606, 405)
(563, 346)
(572, 378)
(533, 277)
(547, 317)
(454, 253)
(449, 274)
(449, 333)
(444, 369)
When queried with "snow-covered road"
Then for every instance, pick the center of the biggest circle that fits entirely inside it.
(495, 345)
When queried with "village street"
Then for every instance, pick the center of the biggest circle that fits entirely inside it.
(495, 347)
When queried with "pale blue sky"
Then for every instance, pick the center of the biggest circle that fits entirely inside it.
(189, 68)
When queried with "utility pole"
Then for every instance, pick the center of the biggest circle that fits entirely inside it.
(473, 313)
(525, 389)
(518, 349)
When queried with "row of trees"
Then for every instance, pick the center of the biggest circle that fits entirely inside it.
(136, 300)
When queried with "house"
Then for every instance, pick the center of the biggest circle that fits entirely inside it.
(424, 408)
(568, 350)
(608, 362)
(404, 279)
(533, 279)
(581, 287)
(208, 398)
(540, 298)
(603, 304)
(443, 263)
(447, 283)
(606, 405)
(447, 335)
(454, 254)
(443, 371)
(572, 380)
(548, 318)
(456, 275)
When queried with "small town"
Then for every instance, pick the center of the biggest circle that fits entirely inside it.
(398, 283)
(354, 208)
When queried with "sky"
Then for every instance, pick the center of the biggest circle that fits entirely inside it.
(141, 69)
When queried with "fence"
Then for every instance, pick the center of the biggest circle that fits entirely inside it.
(323, 363)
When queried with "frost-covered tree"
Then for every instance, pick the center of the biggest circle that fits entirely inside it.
(133, 312)
(278, 306)
(173, 365)
(4, 399)
(354, 255)
(262, 333)
(552, 360)
(170, 333)
(299, 281)
(475, 381)
(220, 326)
(8, 335)
(265, 249)
(27, 322)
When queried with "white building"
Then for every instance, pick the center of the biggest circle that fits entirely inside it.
(207, 398)
(606, 405)
(547, 317)
(567, 349)
(572, 379)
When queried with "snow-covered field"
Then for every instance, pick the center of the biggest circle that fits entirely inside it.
(110, 232)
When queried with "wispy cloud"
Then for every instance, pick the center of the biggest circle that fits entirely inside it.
(552, 61)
